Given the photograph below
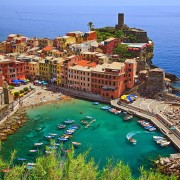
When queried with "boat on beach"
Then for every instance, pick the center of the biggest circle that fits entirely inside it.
(128, 117)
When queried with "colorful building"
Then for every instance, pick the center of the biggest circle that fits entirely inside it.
(45, 42)
(91, 35)
(79, 76)
(77, 34)
(109, 45)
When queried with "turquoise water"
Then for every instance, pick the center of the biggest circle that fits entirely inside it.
(106, 137)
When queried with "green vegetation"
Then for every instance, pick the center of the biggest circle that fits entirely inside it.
(11, 87)
(53, 167)
(21, 91)
(122, 51)
(16, 94)
(90, 25)
(26, 89)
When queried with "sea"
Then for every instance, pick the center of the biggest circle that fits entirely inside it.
(105, 138)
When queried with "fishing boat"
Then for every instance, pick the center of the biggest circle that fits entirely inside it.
(38, 144)
(163, 144)
(21, 159)
(33, 150)
(68, 133)
(161, 141)
(152, 129)
(76, 143)
(141, 121)
(61, 126)
(132, 140)
(105, 107)
(128, 117)
(95, 103)
(88, 117)
(69, 121)
(148, 127)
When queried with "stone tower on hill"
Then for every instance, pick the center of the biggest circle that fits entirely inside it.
(120, 24)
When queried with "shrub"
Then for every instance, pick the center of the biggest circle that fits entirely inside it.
(16, 94)
(11, 87)
(21, 91)
(26, 89)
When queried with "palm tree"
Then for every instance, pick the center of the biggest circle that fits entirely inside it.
(90, 25)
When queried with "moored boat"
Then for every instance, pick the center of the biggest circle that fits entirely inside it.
(33, 150)
(163, 144)
(76, 143)
(161, 141)
(128, 117)
(84, 122)
(158, 137)
(61, 126)
(95, 103)
(152, 129)
(88, 117)
(148, 127)
(52, 134)
(69, 121)
(38, 144)
(21, 159)
(62, 139)
(105, 107)
(49, 137)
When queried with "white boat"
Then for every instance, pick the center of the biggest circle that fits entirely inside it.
(163, 144)
(128, 117)
(132, 140)
(158, 137)
(152, 129)
(52, 134)
(161, 141)
(95, 103)
(76, 143)
(88, 117)
(33, 150)
(48, 152)
(38, 144)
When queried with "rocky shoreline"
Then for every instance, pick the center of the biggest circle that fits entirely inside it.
(169, 166)
(13, 123)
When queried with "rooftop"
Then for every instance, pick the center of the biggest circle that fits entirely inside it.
(132, 61)
(135, 45)
(47, 48)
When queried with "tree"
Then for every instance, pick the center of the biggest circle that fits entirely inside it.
(119, 34)
(21, 91)
(122, 51)
(26, 89)
(16, 94)
(90, 25)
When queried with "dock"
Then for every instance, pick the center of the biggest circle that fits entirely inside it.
(90, 123)
(171, 135)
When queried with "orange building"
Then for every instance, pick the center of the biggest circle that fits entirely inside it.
(91, 35)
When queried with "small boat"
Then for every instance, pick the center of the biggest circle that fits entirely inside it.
(21, 159)
(52, 147)
(31, 164)
(88, 117)
(128, 117)
(152, 129)
(132, 140)
(38, 144)
(84, 122)
(61, 126)
(95, 103)
(125, 112)
(69, 121)
(49, 137)
(112, 110)
(76, 143)
(70, 130)
(117, 112)
(73, 127)
(67, 136)
(141, 121)
(68, 133)
(161, 141)
(62, 139)
(105, 107)
(158, 137)
(163, 144)
(48, 152)
(33, 150)
(148, 127)
(52, 134)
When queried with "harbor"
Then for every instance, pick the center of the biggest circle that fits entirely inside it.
(105, 137)
(156, 120)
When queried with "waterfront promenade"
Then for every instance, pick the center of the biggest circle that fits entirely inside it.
(170, 134)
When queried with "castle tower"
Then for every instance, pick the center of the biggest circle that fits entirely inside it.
(120, 21)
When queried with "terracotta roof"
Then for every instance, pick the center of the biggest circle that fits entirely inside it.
(86, 63)
(47, 48)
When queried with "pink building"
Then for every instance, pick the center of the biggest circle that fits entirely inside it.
(109, 45)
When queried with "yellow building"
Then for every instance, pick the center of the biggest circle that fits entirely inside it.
(33, 69)
(44, 69)
(3, 47)
(45, 42)
(65, 41)
(20, 48)
(59, 70)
